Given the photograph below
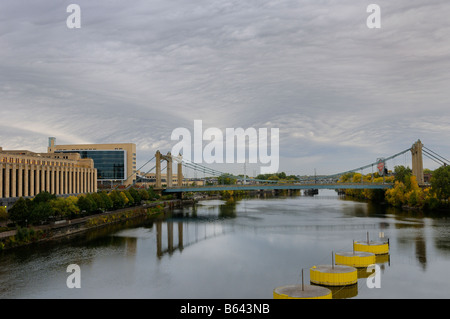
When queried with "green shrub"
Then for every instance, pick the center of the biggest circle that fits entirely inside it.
(3, 214)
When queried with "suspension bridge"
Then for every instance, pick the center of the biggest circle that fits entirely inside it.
(418, 150)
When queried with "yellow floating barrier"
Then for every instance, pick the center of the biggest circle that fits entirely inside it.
(334, 275)
(302, 292)
(356, 259)
(374, 247)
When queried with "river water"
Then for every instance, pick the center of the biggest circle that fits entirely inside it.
(240, 249)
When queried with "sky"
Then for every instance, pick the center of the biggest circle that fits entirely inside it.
(340, 93)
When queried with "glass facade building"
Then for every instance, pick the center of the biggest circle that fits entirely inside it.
(110, 164)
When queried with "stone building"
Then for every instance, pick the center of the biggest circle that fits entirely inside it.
(25, 173)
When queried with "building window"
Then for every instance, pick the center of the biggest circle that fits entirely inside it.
(110, 164)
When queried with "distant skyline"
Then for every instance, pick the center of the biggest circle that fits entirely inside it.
(341, 94)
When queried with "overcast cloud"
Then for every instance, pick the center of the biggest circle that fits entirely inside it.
(341, 94)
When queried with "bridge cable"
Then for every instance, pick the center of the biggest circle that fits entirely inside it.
(202, 168)
(367, 166)
(443, 158)
(135, 173)
(433, 158)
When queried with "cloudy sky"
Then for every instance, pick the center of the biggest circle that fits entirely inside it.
(340, 93)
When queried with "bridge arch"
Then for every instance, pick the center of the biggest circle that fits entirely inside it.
(169, 158)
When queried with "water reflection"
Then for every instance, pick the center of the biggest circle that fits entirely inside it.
(168, 241)
(344, 292)
(235, 249)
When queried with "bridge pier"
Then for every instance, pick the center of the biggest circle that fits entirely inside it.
(179, 195)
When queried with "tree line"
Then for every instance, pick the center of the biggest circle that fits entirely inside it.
(405, 191)
(46, 207)
(227, 179)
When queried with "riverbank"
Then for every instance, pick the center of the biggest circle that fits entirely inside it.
(28, 235)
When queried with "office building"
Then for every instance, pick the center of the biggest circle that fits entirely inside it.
(115, 163)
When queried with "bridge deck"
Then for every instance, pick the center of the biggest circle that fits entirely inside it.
(181, 189)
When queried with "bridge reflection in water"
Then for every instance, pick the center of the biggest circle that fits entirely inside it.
(168, 241)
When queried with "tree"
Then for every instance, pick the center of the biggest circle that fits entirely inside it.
(136, 195)
(415, 197)
(106, 200)
(125, 199)
(346, 178)
(72, 208)
(94, 207)
(431, 201)
(117, 200)
(40, 212)
(226, 179)
(19, 213)
(396, 196)
(3, 214)
(440, 182)
(281, 175)
(43, 197)
(151, 193)
(86, 204)
(144, 194)
(403, 175)
(64, 207)
(57, 206)
(99, 202)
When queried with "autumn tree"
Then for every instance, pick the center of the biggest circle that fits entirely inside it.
(440, 182)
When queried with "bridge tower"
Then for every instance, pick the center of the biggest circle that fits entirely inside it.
(180, 172)
(159, 157)
(168, 158)
(158, 169)
(417, 161)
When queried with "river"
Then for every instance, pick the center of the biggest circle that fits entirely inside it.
(241, 249)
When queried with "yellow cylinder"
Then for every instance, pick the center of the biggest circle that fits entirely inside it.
(338, 275)
(301, 292)
(377, 248)
(356, 259)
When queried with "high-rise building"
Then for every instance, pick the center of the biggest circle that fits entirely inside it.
(115, 163)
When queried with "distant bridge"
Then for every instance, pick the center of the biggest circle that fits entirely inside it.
(279, 186)
(309, 183)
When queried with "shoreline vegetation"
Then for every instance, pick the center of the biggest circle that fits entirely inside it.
(406, 192)
(47, 217)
